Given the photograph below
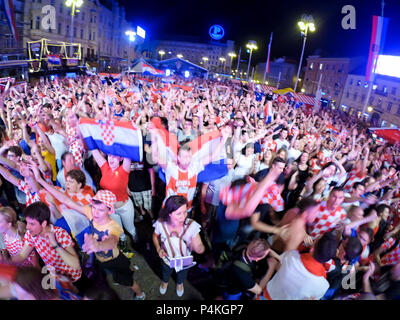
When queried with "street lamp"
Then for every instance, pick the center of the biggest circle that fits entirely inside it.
(179, 56)
(74, 4)
(131, 34)
(161, 53)
(222, 59)
(252, 45)
(231, 55)
(306, 23)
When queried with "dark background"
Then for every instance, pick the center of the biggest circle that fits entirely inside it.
(256, 19)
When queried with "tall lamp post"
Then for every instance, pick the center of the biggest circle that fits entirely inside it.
(231, 55)
(222, 59)
(131, 37)
(306, 24)
(74, 4)
(252, 45)
(161, 53)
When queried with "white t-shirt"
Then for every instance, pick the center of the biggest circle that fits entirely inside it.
(293, 154)
(190, 233)
(280, 143)
(59, 144)
(244, 165)
(294, 282)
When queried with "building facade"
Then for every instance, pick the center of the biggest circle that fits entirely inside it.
(334, 72)
(195, 52)
(383, 107)
(286, 68)
(12, 51)
(98, 25)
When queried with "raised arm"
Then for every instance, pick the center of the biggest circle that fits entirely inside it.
(98, 157)
(9, 176)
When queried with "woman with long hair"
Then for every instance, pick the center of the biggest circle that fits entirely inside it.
(175, 236)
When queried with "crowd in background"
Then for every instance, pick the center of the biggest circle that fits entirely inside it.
(308, 208)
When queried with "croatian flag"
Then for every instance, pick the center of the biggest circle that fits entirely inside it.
(150, 70)
(119, 138)
(201, 147)
(9, 10)
(54, 59)
(379, 28)
(330, 127)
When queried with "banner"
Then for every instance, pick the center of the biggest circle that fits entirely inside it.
(379, 28)
(53, 60)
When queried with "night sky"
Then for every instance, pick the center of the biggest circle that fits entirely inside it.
(256, 19)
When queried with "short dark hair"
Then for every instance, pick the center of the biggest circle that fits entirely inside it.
(329, 164)
(257, 247)
(172, 204)
(353, 248)
(78, 176)
(17, 150)
(38, 211)
(380, 208)
(185, 147)
(64, 155)
(306, 203)
(358, 184)
(325, 248)
(337, 189)
(278, 160)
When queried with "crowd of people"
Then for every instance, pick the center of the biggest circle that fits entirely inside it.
(308, 207)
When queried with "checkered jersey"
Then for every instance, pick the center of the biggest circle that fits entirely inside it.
(315, 166)
(237, 194)
(77, 149)
(31, 197)
(326, 220)
(393, 257)
(353, 178)
(330, 265)
(14, 247)
(50, 256)
(310, 139)
(72, 133)
(273, 198)
(240, 195)
(181, 182)
(271, 145)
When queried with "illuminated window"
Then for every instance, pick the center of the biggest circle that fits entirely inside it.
(320, 66)
(311, 65)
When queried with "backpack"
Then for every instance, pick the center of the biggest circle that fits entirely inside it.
(226, 261)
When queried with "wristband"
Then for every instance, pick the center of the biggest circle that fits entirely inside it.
(56, 246)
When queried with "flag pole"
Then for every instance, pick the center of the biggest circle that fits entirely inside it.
(269, 52)
(237, 68)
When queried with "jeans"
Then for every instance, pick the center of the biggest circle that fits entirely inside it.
(125, 217)
(166, 272)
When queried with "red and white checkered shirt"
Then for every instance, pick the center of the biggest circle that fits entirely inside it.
(77, 149)
(240, 194)
(315, 166)
(14, 247)
(326, 220)
(330, 265)
(271, 145)
(393, 257)
(274, 198)
(31, 197)
(353, 178)
(50, 256)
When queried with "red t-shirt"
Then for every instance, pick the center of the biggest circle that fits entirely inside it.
(115, 181)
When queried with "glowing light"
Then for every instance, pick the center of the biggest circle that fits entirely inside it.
(131, 34)
(180, 56)
(140, 32)
(369, 109)
(167, 72)
(388, 66)
(232, 55)
(187, 74)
